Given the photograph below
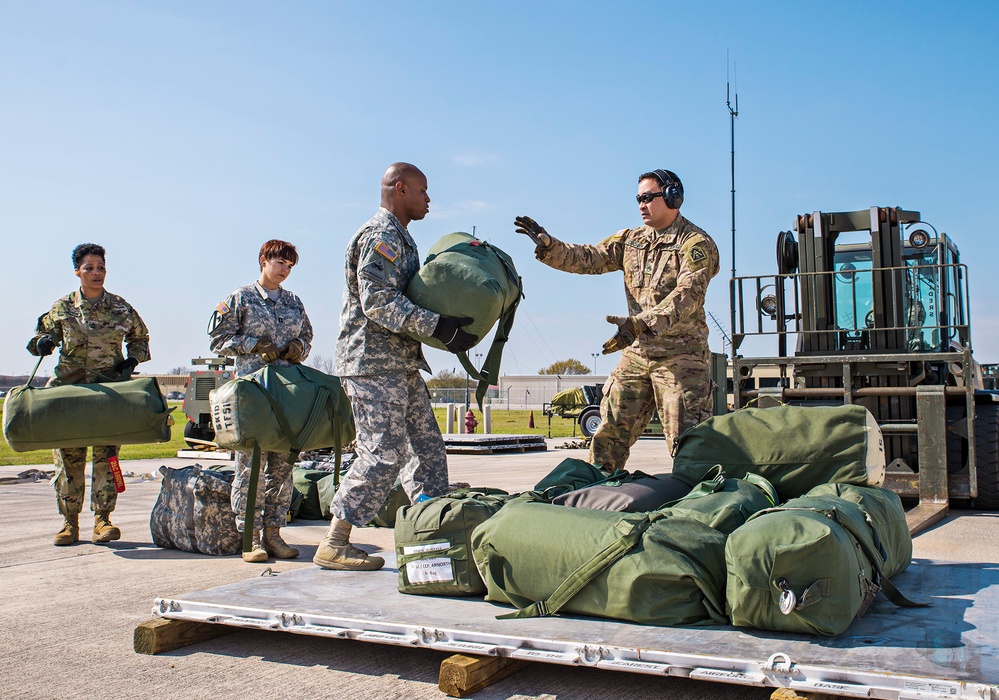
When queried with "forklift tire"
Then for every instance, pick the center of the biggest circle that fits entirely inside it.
(589, 421)
(192, 430)
(987, 456)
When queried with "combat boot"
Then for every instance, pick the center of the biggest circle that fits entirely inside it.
(70, 532)
(104, 531)
(276, 546)
(336, 552)
(257, 554)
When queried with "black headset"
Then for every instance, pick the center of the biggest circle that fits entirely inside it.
(672, 188)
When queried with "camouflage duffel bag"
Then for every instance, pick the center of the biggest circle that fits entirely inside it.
(193, 512)
(79, 415)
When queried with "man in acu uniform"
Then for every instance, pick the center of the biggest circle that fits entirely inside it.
(665, 360)
(379, 364)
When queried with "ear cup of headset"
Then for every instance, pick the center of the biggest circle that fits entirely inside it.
(672, 189)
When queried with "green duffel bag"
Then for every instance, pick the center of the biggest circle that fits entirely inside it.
(433, 543)
(127, 412)
(726, 504)
(795, 448)
(633, 493)
(465, 276)
(884, 510)
(306, 483)
(571, 474)
(812, 566)
(661, 568)
(385, 517)
(280, 409)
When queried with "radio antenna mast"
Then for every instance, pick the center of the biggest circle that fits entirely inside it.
(733, 112)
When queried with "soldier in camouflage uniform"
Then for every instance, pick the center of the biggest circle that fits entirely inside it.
(259, 324)
(665, 360)
(89, 326)
(397, 434)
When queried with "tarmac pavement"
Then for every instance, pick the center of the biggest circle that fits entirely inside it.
(68, 614)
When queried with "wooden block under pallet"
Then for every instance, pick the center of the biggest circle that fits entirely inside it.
(462, 675)
(788, 694)
(160, 635)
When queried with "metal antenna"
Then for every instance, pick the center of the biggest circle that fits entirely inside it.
(733, 112)
(725, 339)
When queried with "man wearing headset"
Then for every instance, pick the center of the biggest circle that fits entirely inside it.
(665, 360)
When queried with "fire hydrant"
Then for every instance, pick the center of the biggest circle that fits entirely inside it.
(470, 421)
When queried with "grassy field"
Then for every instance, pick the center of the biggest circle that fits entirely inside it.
(503, 423)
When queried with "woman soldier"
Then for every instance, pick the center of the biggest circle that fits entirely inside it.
(259, 324)
(89, 326)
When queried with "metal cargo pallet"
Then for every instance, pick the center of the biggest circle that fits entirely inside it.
(949, 650)
(490, 444)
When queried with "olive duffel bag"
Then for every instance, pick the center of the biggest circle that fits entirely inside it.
(659, 568)
(127, 412)
(816, 563)
(432, 542)
(795, 448)
(280, 409)
(465, 276)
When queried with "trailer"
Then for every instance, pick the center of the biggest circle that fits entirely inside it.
(948, 650)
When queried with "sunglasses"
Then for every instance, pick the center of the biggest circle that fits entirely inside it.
(648, 197)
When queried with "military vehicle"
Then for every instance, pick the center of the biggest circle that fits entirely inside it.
(871, 307)
(198, 432)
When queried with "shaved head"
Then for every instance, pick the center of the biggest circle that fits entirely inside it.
(404, 192)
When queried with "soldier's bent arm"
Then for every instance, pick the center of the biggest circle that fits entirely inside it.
(226, 338)
(698, 264)
(306, 334)
(137, 338)
(380, 290)
(605, 256)
(46, 326)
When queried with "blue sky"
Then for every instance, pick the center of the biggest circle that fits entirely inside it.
(183, 135)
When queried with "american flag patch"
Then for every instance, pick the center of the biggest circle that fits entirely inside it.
(223, 308)
(386, 252)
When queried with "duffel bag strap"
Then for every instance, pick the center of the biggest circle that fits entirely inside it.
(579, 578)
(251, 499)
(490, 368)
(877, 562)
(708, 486)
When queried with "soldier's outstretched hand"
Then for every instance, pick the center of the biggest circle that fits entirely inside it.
(628, 330)
(529, 227)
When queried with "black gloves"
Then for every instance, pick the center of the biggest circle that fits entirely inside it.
(628, 330)
(124, 368)
(294, 351)
(45, 346)
(267, 350)
(449, 332)
(529, 227)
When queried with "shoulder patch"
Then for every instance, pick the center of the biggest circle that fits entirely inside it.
(386, 251)
(696, 252)
(223, 308)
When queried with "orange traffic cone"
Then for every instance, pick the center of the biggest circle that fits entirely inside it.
(530, 420)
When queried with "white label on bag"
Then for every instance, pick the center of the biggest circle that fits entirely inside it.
(430, 547)
(430, 570)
